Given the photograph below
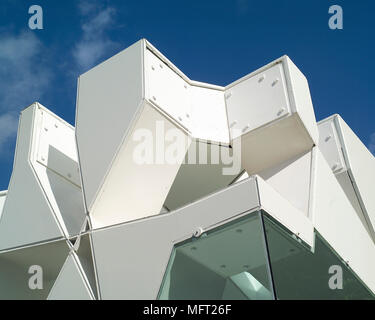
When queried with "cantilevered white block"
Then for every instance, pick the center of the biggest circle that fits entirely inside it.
(353, 165)
(46, 179)
(123, 102)
(337, 221)
(271, 111)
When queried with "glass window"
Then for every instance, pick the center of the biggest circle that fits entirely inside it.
(299, 273)
(228, 262)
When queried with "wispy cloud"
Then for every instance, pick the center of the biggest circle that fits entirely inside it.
(371, 145)
(24, 79)
(95, 42)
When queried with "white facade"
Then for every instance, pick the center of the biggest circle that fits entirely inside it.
(157, 161)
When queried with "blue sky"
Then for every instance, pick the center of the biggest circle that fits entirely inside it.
(210, 41)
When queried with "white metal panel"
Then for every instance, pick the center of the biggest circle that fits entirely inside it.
(15, 264)
(3, 195)
(168, 90)
(268, 146)
(123, 253)
(212, 210)
(136, 190)
(300, 98)
(209, 116)
(336, 220)
(194, 180)
(27, 216)
(56, 147)
(109, 96)
(54, 158)
(347, 186)
(330, 145)
(292, 180)
(281, 210)
(70, 283)
(257, 100)
(361, 170)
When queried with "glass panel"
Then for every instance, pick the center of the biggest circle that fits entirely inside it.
(299, 273)
(229, 262)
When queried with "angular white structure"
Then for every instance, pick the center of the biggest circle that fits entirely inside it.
(169, 188)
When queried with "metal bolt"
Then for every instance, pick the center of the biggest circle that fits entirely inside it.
(45, 129)
(328, 138)
(56, 126)
(280, 112)
(69, 175)
(153, 97)
(275, 82)
(161, 66)
(180, 118)
(197, 233)
(262, 78)
(152, 67)
(228, 95)
(187, 115)
(233, 124)
(245, 128)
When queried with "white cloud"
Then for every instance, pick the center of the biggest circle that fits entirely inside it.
(24, 79)
(94, 43)
(371, 145)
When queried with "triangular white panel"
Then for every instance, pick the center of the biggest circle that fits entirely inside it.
(70, 284)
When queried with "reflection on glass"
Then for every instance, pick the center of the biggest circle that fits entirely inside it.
(299, 273)
(229, 262)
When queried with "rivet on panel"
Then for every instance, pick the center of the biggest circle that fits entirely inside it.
(328, 138)
(180, 118)
(228, 95)
(161, 66)
(275, 82)
(56, 126)
(281, 111)
(153, 97)
(261, 78)
(245, 128)
(233, 124)
(187, 115)
(45, 129)
(152, 67)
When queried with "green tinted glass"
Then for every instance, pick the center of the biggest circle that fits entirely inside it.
(229, 262)
(299, 273)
